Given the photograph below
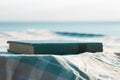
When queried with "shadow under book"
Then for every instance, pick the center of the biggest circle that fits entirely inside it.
(53, 47)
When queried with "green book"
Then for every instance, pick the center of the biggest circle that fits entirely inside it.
(57, 47)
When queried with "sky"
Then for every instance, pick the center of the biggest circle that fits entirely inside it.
(59, 10)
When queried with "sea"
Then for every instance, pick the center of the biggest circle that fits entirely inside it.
(107, 28)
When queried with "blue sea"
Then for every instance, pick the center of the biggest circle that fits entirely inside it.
(107, 28)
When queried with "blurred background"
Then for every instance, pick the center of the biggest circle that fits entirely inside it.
(79, 16)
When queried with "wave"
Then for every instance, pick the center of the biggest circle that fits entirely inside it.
(73, 34)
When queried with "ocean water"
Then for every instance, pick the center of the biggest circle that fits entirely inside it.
(108, 28)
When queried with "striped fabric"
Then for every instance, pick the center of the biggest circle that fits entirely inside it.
(42, 67)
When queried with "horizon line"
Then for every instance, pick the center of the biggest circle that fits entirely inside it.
(59, 21)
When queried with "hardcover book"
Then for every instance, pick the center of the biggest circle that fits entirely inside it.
(53, 47)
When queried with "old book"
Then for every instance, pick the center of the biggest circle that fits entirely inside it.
(53, 47)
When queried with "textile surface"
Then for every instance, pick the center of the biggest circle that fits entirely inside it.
(38, 67)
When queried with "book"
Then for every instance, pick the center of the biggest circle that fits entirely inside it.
(58, 47)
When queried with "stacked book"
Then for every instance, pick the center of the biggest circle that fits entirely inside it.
(53, 47)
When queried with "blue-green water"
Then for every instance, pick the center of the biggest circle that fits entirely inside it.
(109, 28)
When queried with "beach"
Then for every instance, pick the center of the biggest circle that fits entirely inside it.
(101, 65)
(87, 22)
